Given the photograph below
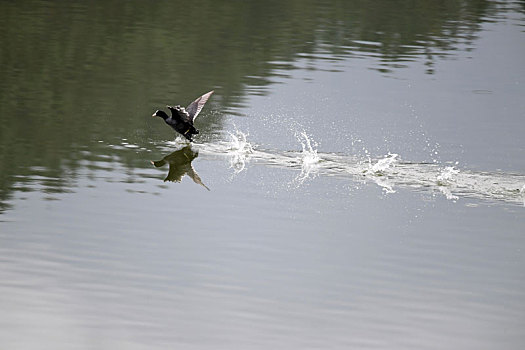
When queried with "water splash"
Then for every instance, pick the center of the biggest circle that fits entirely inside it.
(377, 171)
(240, 149)
(447, 175)
(235, 146)
(178, 141)
(448, 193)
(389, 161)
(388, 172)
(444, 179)
(309, 159)
(386, 185)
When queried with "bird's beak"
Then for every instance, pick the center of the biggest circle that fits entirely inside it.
(154, 114)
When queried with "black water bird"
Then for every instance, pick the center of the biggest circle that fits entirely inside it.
(182, 119)
(180, 165)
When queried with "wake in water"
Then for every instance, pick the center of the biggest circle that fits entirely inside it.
(389, 172)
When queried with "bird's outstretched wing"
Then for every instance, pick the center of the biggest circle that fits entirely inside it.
(195, 177)
(196, 106)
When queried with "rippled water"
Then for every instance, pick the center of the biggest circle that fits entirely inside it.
(358, 181)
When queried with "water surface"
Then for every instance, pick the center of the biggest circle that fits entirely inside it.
(358, 180)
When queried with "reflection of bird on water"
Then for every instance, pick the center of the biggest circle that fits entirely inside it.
(182, 119)
(180, 165)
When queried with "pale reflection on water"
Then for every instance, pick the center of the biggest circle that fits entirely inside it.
(147, 281)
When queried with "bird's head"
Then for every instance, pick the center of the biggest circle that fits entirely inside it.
(159, 113)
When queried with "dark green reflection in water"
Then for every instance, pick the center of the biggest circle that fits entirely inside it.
(180, 165)
(72, 73)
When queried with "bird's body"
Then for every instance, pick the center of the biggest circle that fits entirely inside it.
(182, 119)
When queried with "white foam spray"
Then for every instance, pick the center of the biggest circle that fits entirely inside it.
(446, 179)
(309, 159)
(387, 172)
(389, 161)
(239, 150)
(447, 175)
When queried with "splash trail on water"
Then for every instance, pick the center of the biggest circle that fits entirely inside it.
(389, 172)
(240, 149)
(309, 159)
